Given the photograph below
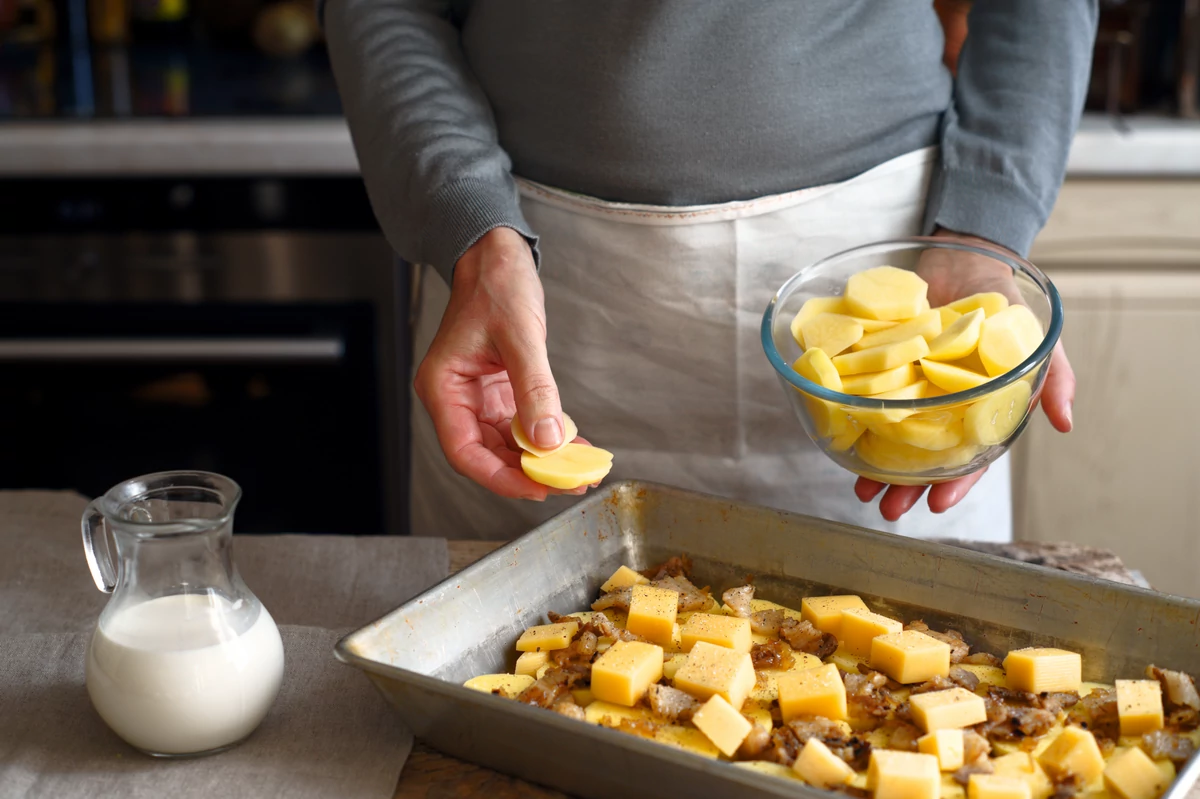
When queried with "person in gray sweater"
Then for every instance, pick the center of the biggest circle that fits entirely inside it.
(565, 165)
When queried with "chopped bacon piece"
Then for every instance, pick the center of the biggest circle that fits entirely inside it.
(566, 707)
(767, 622)
(691, 598)
(641, 727)
(963, 678)
(958, 647)
(618, 599)
(982, 659)
(1173, 746)
(738, 600)
(755, 744)
(671, 704)
(1179, 689)
(804, 637)
(774, 654)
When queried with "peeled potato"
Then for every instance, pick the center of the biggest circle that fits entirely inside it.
(959, 340)
(831, 332)
(948, 314)
(573, 466)
(991, 302)
(829, 420)
(509, 686)
(910, 391)
(812, 307)
(1008, 338)
(950, 377)
(887, 293)
(570, 433)
(873, 383)
(923, 433)
(879, 359)
(893, 456)
(816, 366)
(993, 419)
(927, 324)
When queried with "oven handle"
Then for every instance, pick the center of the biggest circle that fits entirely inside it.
(306, 350)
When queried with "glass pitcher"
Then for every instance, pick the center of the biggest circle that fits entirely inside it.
(184, 660)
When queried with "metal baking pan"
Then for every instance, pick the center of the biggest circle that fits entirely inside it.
(420, 654)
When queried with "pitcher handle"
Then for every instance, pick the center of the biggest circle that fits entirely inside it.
(100, 563)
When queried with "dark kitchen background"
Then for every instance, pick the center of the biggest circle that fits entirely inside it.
(190, 274)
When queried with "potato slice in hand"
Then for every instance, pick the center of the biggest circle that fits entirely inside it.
(951, 378)
(831, 332)
(991, 302)
(886, 293)
(573, 466)
(927, 325)
(1008, 338)
(570, 433)
(993, 419)
(880, 359)
(959, 340)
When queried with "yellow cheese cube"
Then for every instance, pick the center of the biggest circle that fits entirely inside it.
(859, 628)
(991, 303)
(711, 669)
(816, 692)
(951, 789)
(768, 768)
(825, 612)
(872, 384)
(727, 631)
(820, 767)
(607, 714)
(994, 418)
(812, 307)
(721, 724)
(951, 378)
(623, 578)
(509, 686)
(988, 675)
(831, 332)
(946, 745)
(583, 696)
(1038, 669)
(927, 324)
(959, 339)
(923, 433)
(949, 315)
(1008, 338)
(572, 466)
(530, 662)
(903, 775)
(672, 664)
(689, 739)
(996, 786)
(547, 637)
(882, 358)
(886, 292)
(1014, 764)
(1139, 706)
(1131, 774)
(676, 644)
(1074, 751)
(623, 673)
(910, 656)
(953, 708)
(766, 689)
(652, 613)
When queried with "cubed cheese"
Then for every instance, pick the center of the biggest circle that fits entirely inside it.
(954, 708)
(1131, 774)
(547, 637)
(711, 669)
(623, 673)
(766, 689)
(1021, 765)
(903, 775)
(818, 766)
(1074, 752)
(946, 745)
(509, 686)
(721, 724)
(1139, 706)
(995, 786)
(530, 662)
(623, 578)
(817, 692)
(727, 631)
(1039, 669)
(910, 656)
(672, 664)
(859, 628)
(652, 613)
(825, 612)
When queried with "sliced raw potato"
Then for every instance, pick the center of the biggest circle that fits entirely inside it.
(887, 293)
(573, 466)
(831, 332)
(570, 433)
(990, 302)
(893, 456)
(880, 359)
(948, 314)
(927, 325)
(874, 325)
(828, 418)
(923, 433)
(912, 391)
(971, 362)
(959, 339)
(876, 416)
(993, 419)
(509, 686)
(875, 383)
(816, 366)
(846, 439)
(1008, 338)
(812, 307)
(951, 378)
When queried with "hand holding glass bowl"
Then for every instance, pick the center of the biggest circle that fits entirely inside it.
(919, 433)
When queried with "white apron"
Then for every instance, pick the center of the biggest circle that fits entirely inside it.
(653, 318)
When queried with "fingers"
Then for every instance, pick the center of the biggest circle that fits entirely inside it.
(522, 350)
(866, 490)
(899, 500)
(944, 496)
(1058, 395)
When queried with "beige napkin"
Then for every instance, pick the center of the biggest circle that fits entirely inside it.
(329, 732)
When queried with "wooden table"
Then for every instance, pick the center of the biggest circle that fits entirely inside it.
(430, 775)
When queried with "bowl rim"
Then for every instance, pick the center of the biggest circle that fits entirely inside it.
(1016, 262)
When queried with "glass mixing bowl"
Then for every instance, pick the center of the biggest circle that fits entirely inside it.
(854, 430)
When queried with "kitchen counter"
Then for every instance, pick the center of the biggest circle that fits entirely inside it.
(1136, 146)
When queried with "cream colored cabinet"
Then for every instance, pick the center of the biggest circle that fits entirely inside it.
(1125, 256)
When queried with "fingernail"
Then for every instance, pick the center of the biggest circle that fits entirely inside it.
(1070, 418)
(580, 491)
(534, 497)
(547, 433)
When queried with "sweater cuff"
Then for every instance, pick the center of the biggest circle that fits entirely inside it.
(988, 206)
(460, 213)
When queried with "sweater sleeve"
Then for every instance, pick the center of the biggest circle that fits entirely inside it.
(422, 128)
(1022, 79)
